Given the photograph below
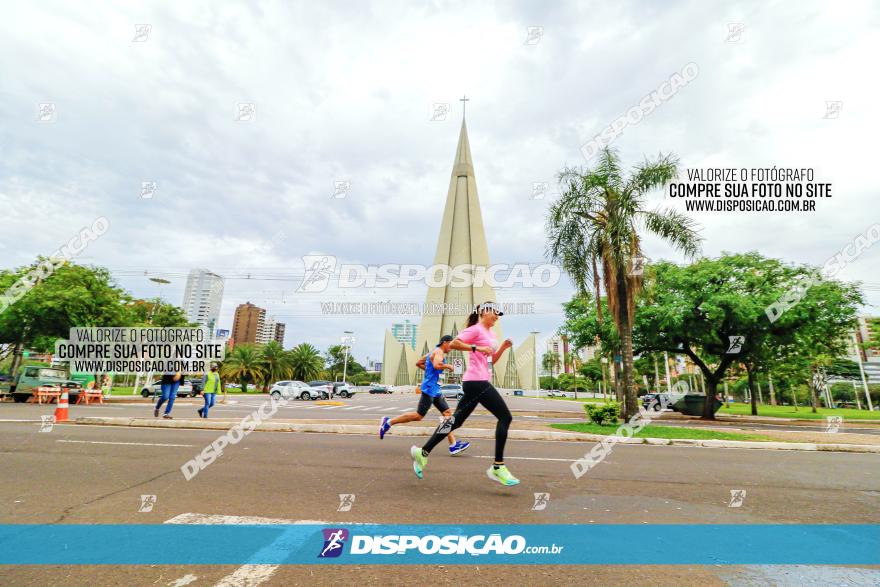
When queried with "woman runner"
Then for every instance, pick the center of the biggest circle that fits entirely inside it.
(479, 340)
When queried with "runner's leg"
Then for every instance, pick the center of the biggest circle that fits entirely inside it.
(492, 401)
(465, 407)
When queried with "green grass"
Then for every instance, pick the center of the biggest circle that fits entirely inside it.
(803, 412)
(662, 432)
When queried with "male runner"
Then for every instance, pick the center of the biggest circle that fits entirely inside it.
(433, 363)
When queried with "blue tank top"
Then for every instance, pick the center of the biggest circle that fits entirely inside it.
(430, 384)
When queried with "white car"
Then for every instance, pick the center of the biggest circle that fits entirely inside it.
(294, 389)
(185, 389)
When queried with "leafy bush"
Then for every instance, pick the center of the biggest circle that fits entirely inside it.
(602, 413)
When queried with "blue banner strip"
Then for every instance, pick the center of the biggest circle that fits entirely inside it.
(172, 544)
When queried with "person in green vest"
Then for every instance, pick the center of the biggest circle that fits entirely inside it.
(210, 389)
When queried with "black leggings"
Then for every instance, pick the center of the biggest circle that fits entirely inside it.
(476, 392)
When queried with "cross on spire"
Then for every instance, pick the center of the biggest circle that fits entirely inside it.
(464, 100)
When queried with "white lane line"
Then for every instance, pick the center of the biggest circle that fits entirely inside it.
(248, 575)
(124, 443)
(525, 458)
(219, 519)
(356, 408)
(388, 409)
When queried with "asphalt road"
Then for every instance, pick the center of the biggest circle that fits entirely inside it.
(79, 474)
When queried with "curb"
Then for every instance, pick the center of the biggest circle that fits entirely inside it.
(545, 435)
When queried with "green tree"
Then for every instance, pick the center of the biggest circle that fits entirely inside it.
(335, 362)
(154, 312)
(550, 363)
(306, 362)
(244, 364)
(601, 215)
(72, 295)
(276, 362)
(715, 312)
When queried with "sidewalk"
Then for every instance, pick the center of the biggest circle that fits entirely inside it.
(312, 426)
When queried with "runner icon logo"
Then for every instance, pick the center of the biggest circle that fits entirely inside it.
(334, 540)
(541, 501)
(346, 500)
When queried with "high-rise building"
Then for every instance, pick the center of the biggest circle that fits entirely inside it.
(405, 332)
(202, 298)
(249, 324)
(462, 241)
(267, 330)
(279, 333)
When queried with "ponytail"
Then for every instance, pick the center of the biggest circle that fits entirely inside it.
(473, 318)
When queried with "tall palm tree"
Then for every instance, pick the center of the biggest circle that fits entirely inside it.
(244, 363)
(600, 216)
(306, 362)
(276, 362)
(550, 362)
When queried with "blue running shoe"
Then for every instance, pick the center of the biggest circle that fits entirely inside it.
(459, 447)
(384, 427)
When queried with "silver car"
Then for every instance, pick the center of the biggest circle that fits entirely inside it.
(452, 391)
(294, 389)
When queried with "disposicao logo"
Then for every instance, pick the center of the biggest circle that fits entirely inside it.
(334, 541)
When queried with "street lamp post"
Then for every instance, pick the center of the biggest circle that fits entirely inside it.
(537, 381)
(347, 340)
(666, 364)
(159, 281)
(862, 372)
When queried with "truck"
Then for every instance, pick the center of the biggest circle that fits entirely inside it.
(33, 376)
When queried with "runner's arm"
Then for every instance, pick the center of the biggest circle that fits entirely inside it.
(437, 360)
(504, 346)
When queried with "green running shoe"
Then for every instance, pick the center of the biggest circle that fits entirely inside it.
(419, 460)
(501, 475)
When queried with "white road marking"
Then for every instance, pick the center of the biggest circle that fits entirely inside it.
(124, 443)
(247, 575)
(524, 458)
(185, 580)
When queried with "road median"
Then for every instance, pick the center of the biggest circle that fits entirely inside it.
(423, 431)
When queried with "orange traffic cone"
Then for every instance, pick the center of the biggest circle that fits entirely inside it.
(61, 410)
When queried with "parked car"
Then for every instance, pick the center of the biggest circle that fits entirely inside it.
(379, 388)
(294, 389)
(452, 391)
(343, 389)
(326, 388)
(185, 389)
(655, 401)
(32, 377)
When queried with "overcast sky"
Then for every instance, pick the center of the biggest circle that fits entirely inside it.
(345, 92)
